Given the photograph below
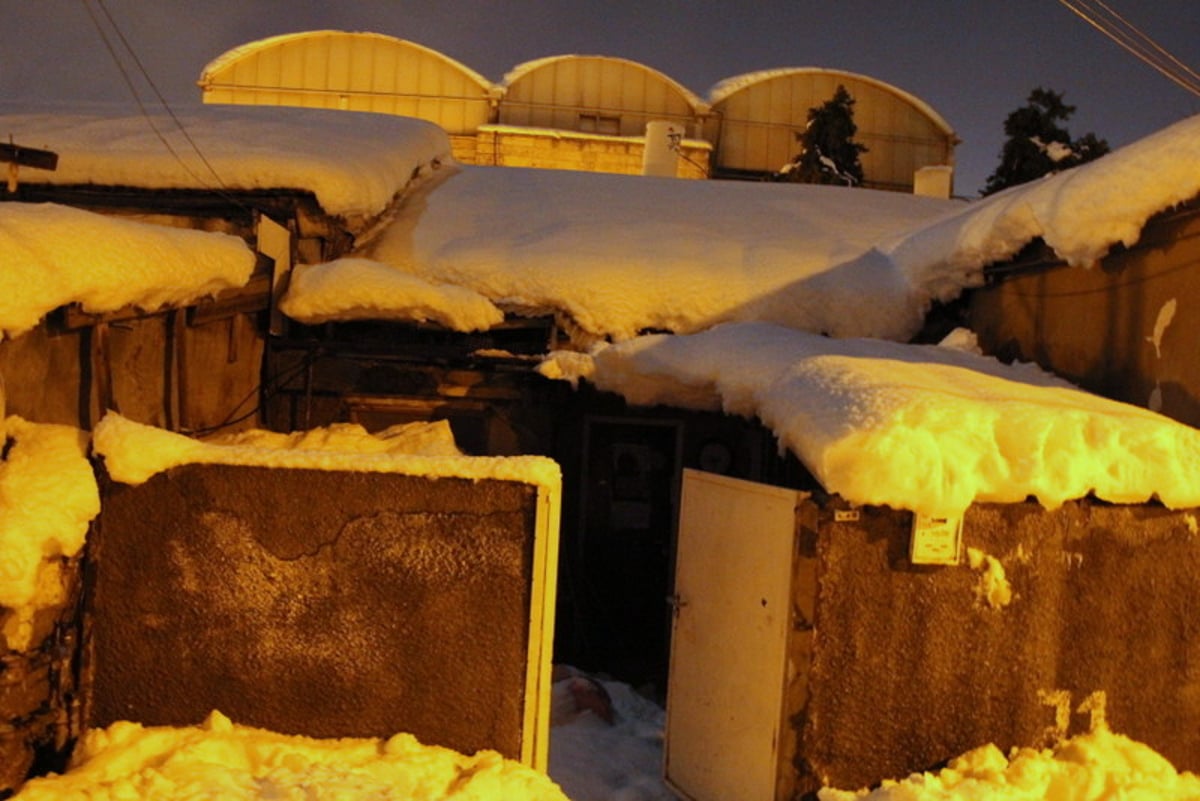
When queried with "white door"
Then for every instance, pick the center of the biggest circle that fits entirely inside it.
(729, 641)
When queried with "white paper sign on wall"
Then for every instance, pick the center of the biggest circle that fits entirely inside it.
(935, 540)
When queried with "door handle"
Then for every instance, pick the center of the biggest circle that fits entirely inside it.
(676, 602)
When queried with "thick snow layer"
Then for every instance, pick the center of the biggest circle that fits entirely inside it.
(927, 428)
(353, 162)
(48, 496)
(134, 452)
(1099, 766)
(615, 255)
(360, 289)
(54, 255)
(219, 759)
(1081, 213)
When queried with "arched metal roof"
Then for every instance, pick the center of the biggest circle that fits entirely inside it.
(601, 94)
(758, 116)
(351, 70)
(729, 86)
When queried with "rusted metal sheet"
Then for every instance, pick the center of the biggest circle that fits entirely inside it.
(1125, 328)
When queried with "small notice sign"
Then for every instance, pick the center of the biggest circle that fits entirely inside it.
(935, 540)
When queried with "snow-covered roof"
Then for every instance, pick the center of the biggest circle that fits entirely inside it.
(927, 428)
(1081, 213)
(354, 163)
(613, 255)
(616, 255)
(54, 255)
(874, 421)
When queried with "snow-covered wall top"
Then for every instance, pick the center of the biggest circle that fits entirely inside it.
(54, 255)
(134, 452)
(921, 427)
(354, 163)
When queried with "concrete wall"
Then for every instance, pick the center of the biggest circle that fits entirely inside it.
(909, 666)
(383, 603)
(566, 150)
(1126, 328)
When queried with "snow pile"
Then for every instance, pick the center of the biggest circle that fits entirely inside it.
(222, 760)
(48, 496)
(927, 428)
(609, 754)
(360, 289)
(1080, 213)
(1099, 766)
(134, 452)
(427, 439)
(353, 162)
(613, 255)
(54, 255)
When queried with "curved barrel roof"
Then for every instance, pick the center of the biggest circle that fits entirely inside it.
(353, 71)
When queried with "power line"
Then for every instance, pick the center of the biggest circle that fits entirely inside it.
(138, 99)
(1131, 38)
(1153, 44)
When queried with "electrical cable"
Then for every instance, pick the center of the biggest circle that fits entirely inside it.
(1153, 44)
(133, 90)
(112, 51)
(161, 100)
(266, 390)
(1132, 39)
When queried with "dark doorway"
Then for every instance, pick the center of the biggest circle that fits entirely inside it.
(621, 561)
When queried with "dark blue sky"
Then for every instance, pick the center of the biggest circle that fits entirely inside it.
(971, 60)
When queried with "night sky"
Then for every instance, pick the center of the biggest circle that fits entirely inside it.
(972, 60)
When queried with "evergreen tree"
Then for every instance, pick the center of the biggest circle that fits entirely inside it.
(1038, 144)
(828, 152)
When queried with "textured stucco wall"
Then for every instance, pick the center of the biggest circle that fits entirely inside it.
(329, 604)
(912, 665)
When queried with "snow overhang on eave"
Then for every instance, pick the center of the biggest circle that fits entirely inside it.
(1159, 232)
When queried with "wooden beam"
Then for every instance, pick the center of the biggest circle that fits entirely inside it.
(29, 157)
